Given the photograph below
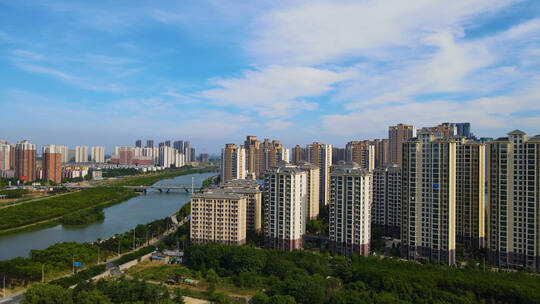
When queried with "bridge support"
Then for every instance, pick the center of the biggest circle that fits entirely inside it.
(167, 190)
(160, 191)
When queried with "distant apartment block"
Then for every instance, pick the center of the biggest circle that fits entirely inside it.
(514, 202)
(320, 155)
(149, 143)
(350, 204)
(218, 216)
(97, 154)
(362, 153)
(284, 197)
(233, 163)
(381, 152)
(81, 154)
(298, 154)
(5, 156)
(386, 208)
(25, 161)
(396, 136)
(461, 128)
(52, 163)
(428, 226)
(125, 155)
(312, 191)
(138, 143)
(250, 190)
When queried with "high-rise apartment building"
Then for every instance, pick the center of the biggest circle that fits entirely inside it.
(97, 154)
(428, 223)
(252, 147)
(444, 131)
(52, 163)
(5, 156)
(298, 154)
(284, 197)
(167, 143)
(396, 136)
(320, 155)
(250, 190)
(338, 154)
(138, 143)
(312, 198)
(362, 153)
(513, 213)
(386, 208)
(179, 145)
(193, 155)
(166, 155)
(150, 143)
(81, 154)
(381, 152)
(218, 216)
(470, 193)
(233, 163)
(350, 204)
(187, 151)
(25, 161)
(462, 128)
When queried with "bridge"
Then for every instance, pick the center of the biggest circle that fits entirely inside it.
(161, 189)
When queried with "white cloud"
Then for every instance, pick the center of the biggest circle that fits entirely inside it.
(278, 124)
(314, 32)
(276, 90)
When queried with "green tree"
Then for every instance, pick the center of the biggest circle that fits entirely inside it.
(40, 293)
(93, 296)
(281, 299)
(211, 276)
(260, 298)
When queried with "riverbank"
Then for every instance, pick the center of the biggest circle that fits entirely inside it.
(150, 179)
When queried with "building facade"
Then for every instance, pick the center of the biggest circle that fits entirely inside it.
(428, 223)
(386, 208)
(298, 154)
(233, 163)
(81, 154)
(350, 209)
(284, 197)
(250, 190)
(470, 193)
(97, 154)
(513, 212)
(52, 164)
(5, 156)
(320, 155)
(312, 198)
(25, 161)
(218, 216)
(397, 135)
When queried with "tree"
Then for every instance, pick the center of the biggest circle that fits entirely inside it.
(211, 276)
(281, 299)
(91, 297)
(178, 296)
(260, 298)
(41, 293)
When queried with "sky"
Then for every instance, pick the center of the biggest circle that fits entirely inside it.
(110, 72)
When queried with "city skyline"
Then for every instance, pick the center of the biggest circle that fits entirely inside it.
(166, 71)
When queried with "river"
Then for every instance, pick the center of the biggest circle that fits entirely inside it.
(118, 218)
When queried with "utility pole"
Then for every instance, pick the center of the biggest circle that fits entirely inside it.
(98, 255)
(134, 238)
(42, 273)
(73, 264)
(118, 246)
(4, 287)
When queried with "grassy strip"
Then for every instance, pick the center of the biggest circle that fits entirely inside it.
(80, 276)
(15, 193)
(31, 228)
(149, 180)
(134, 255)
(53, 207)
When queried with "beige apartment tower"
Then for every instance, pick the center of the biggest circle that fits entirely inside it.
(218, 216)
(250, 190)
(312, 199)
(320, 155)
(350, 209)
(397, 135)
(362, 153)
(428, 224)
(284, 197)
(233, 163)
(298, 154)
(381, 152)
(470, 197)
(386, 208)
(513, 213)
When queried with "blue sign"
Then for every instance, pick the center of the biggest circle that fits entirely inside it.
(77, 264)
(435, 186)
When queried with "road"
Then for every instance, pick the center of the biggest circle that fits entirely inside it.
(14, 299)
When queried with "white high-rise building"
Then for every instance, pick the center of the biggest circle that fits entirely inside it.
(81, 154)
(64, 152)
(5, 156)
(166, 155)
(386, 208)
(97, 154)
(285, 194)
(350, 209)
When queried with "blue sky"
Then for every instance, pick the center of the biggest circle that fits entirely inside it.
(109, 72)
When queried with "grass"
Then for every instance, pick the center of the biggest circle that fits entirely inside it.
(148, 180)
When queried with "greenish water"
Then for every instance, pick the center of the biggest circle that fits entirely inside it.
(118, 218)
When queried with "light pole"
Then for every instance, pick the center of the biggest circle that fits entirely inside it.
(98, 255)
(42, 273)
(4, 287)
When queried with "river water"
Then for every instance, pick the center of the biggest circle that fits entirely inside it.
(118, 218)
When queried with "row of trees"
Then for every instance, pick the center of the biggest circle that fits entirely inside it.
(51, 207)
(103, 292)
(316, 278)
(83, 217)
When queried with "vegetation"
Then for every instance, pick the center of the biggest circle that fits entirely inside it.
(148, 180)
(134, 255)
(83, 217)
(120, 172)
(313, 278)
(104, 292)
(14, 193)
(80, 276)
(49, 208)
(212, 180)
